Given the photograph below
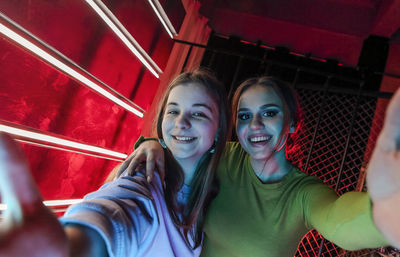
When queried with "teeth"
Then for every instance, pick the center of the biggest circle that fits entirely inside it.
(184, 138)
(259, 139)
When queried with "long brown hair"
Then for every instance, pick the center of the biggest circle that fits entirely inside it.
(292, 113)
(203, 186)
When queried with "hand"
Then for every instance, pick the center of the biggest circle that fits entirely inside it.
(383, 177)
(28, 228)
(152, 153)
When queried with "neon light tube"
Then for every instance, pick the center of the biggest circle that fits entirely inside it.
(51, 203)
(114, 97)
(62, 202)
(162, 16)
(124, 35)
(67, 149)
(26, 134)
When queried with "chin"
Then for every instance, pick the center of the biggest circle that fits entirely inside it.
(265, 155)
(181, 155)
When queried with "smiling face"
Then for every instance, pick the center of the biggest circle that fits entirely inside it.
(260, 120)
(190, 121)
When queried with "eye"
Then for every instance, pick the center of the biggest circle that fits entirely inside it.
(171, 112)
(243, 116)
(199, 115)
(269, 113)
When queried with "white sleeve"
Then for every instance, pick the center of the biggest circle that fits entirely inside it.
(122, 212)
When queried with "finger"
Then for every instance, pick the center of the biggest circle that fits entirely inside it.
(150, 166)
(125, 164)
(136, 160)
(391, 130)
(133, 165)
(392, 114)
(122, 168)
(18, 190)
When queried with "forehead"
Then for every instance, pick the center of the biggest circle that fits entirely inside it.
(191, 93)
(258, 95)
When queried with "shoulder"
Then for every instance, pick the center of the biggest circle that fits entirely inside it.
(308, 186)
(123, 187)
(232, 147)
(313, 194)
(231, 158)
(234, 152)
(298, 176)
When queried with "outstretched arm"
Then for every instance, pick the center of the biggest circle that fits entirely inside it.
(343, 219)
(28, 227)
(383, 177)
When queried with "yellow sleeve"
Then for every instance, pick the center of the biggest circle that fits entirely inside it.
(346, 220)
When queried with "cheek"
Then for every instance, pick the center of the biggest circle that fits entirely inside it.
(277, 124)
(165, 126)
(241, 130)
(208, 132)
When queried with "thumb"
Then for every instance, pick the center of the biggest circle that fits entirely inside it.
(391, 128)
(17, 188)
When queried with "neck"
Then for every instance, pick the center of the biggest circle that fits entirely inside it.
(189, 167)
(272, 169)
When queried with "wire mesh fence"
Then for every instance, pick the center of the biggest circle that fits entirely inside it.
(335, 112)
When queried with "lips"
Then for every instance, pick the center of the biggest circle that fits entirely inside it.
(259, 139)
(184, 139)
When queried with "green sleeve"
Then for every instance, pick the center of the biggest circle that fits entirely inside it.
(141, 139)
(346, 221)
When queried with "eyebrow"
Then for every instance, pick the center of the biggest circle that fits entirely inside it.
(194, 105)
(262, 107)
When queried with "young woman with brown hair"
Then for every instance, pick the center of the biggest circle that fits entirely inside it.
(129, 216)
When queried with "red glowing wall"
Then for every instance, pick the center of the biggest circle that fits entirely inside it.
(36, 95)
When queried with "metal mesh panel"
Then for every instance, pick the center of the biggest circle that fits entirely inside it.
(335, 112)
(356, 157)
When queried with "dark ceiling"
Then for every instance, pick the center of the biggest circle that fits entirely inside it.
(306, 25)
(355, 17)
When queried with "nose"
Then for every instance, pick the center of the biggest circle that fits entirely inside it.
(182, 122)
(256, 123)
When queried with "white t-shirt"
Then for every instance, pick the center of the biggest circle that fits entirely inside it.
(131, 223)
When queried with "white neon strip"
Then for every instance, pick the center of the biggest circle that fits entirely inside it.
(51, 203)
(62, 202)
(162, 16)
(59, 210)
(68, 150)
(126, 33)
(59, 141)
(44, 55)
(123, 36)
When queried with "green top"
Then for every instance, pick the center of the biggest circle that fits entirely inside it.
(251, 219)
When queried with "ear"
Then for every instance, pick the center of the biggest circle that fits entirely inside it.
(292, 128)
(217, 135)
